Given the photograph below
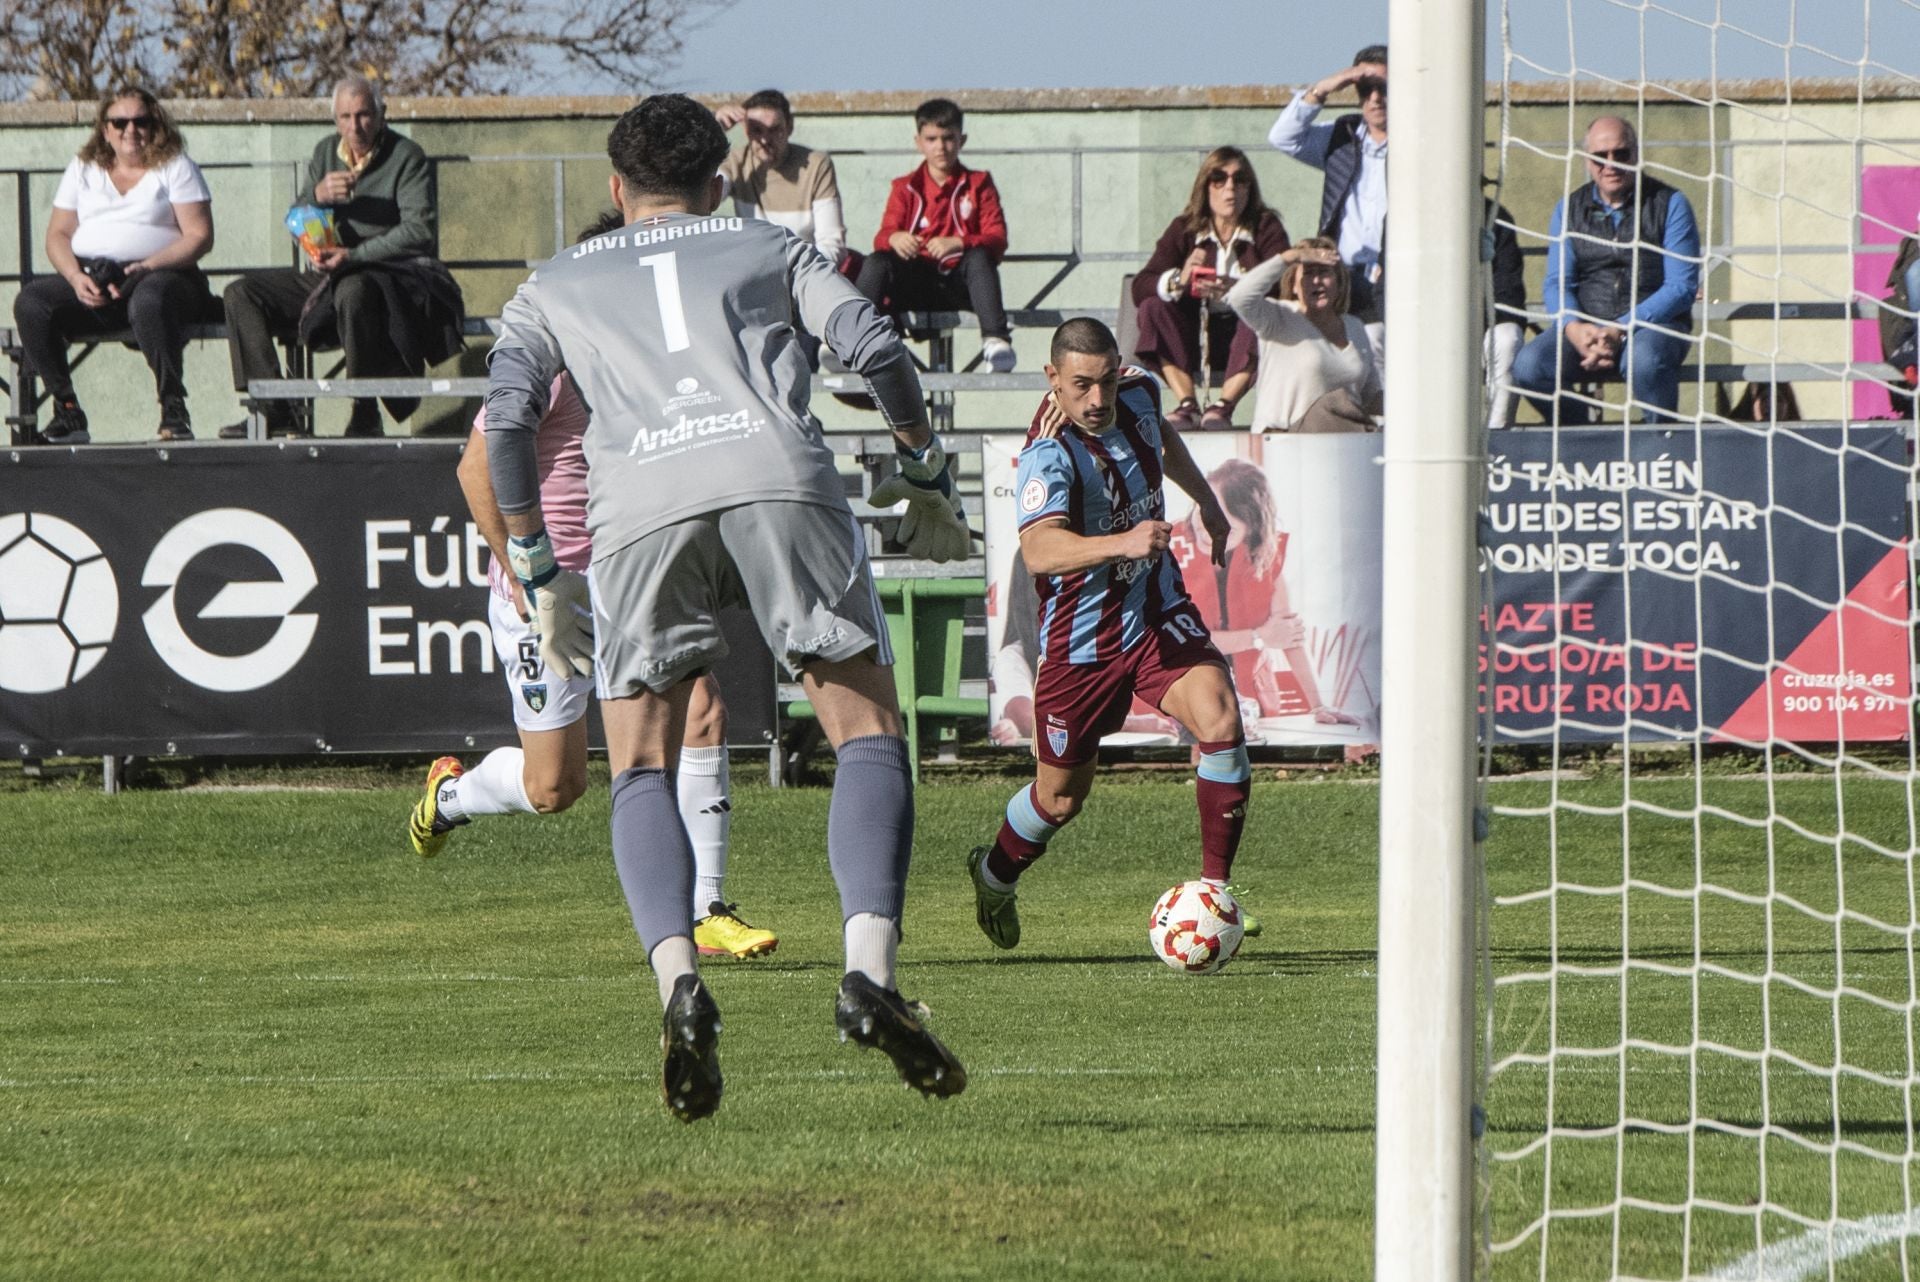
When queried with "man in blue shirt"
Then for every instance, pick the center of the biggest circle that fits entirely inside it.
(1352, 152)
(1623, 263)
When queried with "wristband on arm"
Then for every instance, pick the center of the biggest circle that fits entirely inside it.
(530, 557)
(926, 467)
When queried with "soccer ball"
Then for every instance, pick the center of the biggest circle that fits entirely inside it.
(1195, 928)
(58, 603)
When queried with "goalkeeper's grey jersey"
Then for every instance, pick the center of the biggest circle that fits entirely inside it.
(679, 331)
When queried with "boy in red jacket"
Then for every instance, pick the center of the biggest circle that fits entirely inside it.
(941, 240)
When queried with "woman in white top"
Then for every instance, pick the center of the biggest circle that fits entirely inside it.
(131, 220)
(1317, 370)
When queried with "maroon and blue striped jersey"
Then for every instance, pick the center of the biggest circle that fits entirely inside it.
(1101, 483)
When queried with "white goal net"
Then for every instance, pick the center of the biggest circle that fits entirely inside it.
(1699, 985)
(1700, 906)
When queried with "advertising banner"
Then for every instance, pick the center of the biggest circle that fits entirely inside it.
(1743, 585)
(317, 597)
(1296, 610)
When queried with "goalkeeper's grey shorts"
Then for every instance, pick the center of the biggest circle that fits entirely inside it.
(800, 568)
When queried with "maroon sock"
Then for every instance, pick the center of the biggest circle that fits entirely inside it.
(1011, 851)
(1223, 814)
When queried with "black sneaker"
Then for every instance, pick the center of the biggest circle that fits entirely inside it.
(879, 1017)
(690, 1051)
(281, 420)
(175, 423)
(68, 426)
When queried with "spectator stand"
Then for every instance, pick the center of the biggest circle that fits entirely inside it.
(934, 330)
(946, 379)
(24, 397)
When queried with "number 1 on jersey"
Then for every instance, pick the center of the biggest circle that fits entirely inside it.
(666, 290)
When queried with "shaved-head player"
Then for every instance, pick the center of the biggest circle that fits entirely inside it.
(1115, 619)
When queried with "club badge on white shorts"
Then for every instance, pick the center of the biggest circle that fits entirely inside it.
(535, 695)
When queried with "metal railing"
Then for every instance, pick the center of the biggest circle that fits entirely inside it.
(1075, 253)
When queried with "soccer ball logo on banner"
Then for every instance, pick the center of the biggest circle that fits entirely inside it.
(59, 603)
(1196, 927)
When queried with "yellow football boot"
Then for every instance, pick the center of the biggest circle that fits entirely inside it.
(426, 829)
(722, 933)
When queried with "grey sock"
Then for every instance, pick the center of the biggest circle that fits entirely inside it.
(870, 825)
(652, 855)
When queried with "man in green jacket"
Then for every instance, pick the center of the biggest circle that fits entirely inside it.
(380, 189)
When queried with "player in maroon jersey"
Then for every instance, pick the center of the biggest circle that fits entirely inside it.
(1115, 618)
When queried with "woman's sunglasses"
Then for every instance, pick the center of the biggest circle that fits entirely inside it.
(120, 124)
(1220, 178)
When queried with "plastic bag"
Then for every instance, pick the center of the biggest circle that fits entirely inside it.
(313, 227)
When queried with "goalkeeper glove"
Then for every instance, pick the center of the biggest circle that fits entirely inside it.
(934, 526)
(562, 615)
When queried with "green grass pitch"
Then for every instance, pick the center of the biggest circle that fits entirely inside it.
(247, 1034)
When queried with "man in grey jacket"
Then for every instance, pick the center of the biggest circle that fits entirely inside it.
(379, 187)
(710, 484)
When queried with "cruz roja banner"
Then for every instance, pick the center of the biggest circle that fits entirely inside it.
(1741, 585)
(311, 597)
(1296, 611)
(1738, 584)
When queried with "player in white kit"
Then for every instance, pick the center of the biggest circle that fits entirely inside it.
(709, 484)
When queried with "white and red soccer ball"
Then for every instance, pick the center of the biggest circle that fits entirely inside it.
(1196, 928)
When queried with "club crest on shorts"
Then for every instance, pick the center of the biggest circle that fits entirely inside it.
(535, 694)
(1056, 737)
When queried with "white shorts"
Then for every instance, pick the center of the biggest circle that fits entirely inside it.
(542, 698)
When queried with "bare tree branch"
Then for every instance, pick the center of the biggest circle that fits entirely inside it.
(76, 49)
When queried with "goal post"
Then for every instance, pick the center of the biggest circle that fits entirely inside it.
(1434, 461)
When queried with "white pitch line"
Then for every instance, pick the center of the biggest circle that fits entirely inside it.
(1817, 1250)
(563, 1078)
(256, 979)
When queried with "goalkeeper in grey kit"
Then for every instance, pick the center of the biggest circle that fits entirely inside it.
(710, 485)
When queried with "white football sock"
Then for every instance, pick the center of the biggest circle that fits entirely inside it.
(993, 882)
(873, 942)
(497, 786)
(706, 808)
(671, 958)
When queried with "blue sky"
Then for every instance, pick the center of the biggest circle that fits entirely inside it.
(1010, 44)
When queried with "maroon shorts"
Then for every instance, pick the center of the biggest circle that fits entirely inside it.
(1076, 704)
